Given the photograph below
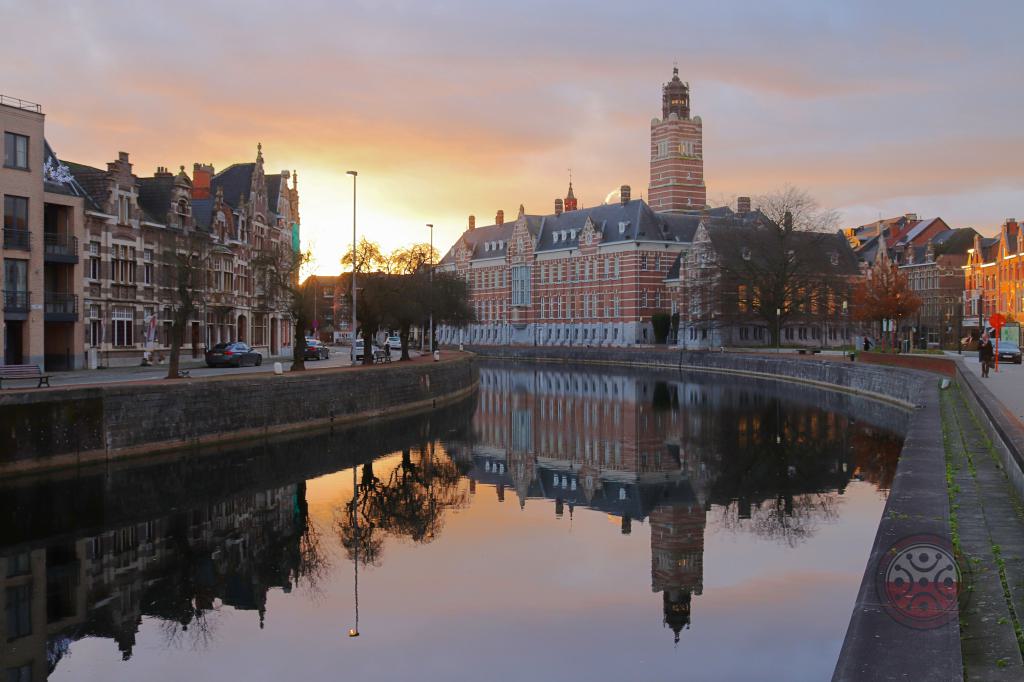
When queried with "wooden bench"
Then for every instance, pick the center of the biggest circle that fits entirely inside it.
(24, 372)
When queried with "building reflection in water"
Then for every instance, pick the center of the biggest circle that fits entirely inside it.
(667, 453)
(756, 457)
(179, 569)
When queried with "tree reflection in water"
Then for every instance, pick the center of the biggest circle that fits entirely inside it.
(409, 501)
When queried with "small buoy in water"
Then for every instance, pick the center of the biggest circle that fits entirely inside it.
(278, 368)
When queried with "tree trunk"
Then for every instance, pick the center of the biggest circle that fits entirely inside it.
(404, 332)
(177, 336)
(367, 345)
(299, 347)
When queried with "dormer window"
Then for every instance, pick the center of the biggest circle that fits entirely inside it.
(572, 234)
(554, 237)
(746, 253)
(563, 235)
(487, 246)
(834, 258)
(622, 226)
(182, 208)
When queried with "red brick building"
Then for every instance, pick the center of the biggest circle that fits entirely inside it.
(677, 153)
(587, 276)
(994, 277)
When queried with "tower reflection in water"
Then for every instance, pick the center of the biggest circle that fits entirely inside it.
(674, 454)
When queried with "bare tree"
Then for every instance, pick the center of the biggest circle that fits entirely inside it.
(805, 213)
(278, 269)
(184, 264)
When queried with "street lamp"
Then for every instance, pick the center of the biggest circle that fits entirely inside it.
(353, 174)
(431, 226)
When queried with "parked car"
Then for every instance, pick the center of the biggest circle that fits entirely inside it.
(359, 350)
(316, 350)
(1009, 351)
(233, 354)
(395, 342)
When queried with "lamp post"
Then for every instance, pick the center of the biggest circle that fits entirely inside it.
(354, 631)
(353, 353)
(778, 330)
(431, 226)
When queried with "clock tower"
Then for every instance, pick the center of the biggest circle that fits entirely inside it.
(677, 153)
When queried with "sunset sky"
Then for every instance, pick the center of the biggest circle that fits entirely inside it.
(456, 108)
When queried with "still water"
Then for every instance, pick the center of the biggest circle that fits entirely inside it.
(563, 524)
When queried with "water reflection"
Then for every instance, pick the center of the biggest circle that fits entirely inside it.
(167, 550)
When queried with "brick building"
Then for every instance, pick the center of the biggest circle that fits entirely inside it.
(587, 276)
(994, 277)
(43, 226)
(128, 219)
(716, 287)
(677, 153)
(935, 273)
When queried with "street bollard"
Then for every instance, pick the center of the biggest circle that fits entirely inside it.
(437, 355)
(278, 368)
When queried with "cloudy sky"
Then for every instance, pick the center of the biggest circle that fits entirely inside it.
(456, 108)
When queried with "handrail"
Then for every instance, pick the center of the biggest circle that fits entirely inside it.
(22, 104)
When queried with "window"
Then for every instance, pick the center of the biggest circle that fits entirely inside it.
(663, 148)
(521, 285)
(643, 261)
(19, 611)
(123, 324)
(123, 264)
(15, 151)
(22, 673)
(15, 213)
(18, 564)
(94, 260)
(147, 273)
(123, 208)
(643, 298)
(95, 327)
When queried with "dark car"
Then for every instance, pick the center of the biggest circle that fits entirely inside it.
(1009, 351)
(316, 350)
(235, 354)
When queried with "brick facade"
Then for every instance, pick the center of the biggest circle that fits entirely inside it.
(127, 303)
(994, 277)
(677, 153)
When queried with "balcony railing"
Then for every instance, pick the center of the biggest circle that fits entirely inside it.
(16, 301)
(60, 247)
(9, 101)
(58, 306)
(17, 239)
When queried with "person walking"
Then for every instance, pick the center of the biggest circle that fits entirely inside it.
(986, 354)
(867, 344)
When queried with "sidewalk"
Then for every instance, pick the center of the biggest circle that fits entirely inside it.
(1007, 384)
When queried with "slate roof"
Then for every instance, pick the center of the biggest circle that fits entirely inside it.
(637, 220)
(730, 237)
(94, 182)
(155, 197)
(202, 213)
(235, 180)
(955, 241)
(72, 188)
(273, 191)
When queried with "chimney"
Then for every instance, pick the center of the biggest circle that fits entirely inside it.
(624, 194)
(162, 172)
(787, 221)
(472, 222)
(500, 218)
(910, 216)
(202, 174)
(558, 207)
(743, 204)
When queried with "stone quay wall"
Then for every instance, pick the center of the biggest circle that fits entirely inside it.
(49, 429)
(898, 387)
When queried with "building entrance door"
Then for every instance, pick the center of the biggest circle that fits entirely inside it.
(13, 343)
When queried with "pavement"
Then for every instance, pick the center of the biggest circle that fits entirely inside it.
(1007, 384)
(196, 368)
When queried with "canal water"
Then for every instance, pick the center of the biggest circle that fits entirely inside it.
(564, 523)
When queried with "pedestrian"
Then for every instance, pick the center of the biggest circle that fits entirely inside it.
(986, 354)
(867, 344)
(387, 349)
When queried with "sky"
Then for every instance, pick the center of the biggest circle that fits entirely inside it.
(460, 107)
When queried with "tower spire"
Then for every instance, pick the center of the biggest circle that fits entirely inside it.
(570, 198)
